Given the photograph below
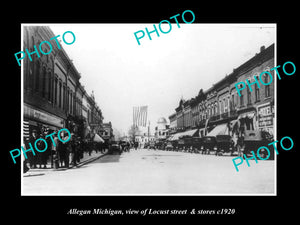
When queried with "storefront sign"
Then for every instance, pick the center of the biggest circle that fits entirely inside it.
(265, 116)
(42, 116)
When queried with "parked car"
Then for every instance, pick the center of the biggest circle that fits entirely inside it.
(209, 143)
(254, 139)
(114, 148)
(224, 144)
(197, 144)
(169, 146)
(152, 145)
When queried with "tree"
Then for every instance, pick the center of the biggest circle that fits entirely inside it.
(133, 132)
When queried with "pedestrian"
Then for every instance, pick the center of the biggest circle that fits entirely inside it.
(31, 157)
(63, 152)
(73, 149)
(80, 149)
(67, 151)
(42, 156)
(54, 147)
(48, 152)
(26, 161)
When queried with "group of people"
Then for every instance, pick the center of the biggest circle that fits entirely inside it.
(60, 155)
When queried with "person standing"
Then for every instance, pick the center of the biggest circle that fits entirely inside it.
(45, 154)
(66, 150)
(54, 150)
(62, 152)
(31, 157)
(73, 149)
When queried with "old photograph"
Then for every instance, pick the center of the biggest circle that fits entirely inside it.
(148, 109)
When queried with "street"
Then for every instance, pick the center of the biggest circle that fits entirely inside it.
(156, 172)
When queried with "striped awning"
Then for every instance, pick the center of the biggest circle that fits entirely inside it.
(221, 129)
(26, 129)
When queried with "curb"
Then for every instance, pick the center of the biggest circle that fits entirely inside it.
(63, 169)
(87, 161)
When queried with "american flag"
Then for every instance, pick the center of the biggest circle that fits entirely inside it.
(140, 116)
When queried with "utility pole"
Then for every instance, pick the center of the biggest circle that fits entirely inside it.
(149, 131)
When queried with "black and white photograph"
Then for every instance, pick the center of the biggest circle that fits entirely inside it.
(162, 109)
(140, 111)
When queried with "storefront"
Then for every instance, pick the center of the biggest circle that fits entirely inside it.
(265, 117)
(247, 120)
(38, 119)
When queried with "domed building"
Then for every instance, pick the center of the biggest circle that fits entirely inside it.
(162, 128)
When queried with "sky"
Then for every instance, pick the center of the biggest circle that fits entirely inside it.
(158, 72)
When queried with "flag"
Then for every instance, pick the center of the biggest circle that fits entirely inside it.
(140, 116)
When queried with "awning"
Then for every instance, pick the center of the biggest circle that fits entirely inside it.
(250, 115)
(97, 138)
(86, 131)
(175, 137)
(189, 133)
(221, 129)
(181, 134)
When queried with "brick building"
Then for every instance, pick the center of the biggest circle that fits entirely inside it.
(221, 103)
(52, 92)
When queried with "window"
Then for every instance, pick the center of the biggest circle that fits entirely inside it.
(267, 87)
(64, 97)
(44, 82)
(49, 86)
(60, 95)
(256, 93)
(249, 95)
(37, 76)
(55, 91)
(242, 98)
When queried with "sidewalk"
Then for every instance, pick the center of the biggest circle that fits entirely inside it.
(86, 159)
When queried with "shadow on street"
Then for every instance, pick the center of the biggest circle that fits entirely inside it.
(108, 159)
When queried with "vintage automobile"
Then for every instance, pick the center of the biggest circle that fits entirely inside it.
(169, 146)
(160, 144)
(185, 143)
(224, 144)
(255, 139)
(152, 145)
(114, 148)
(209, 143)
(197, 144)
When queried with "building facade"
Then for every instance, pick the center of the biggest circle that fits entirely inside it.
(220, 104)
(53, 94)
(173, 123)
(162, 129)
